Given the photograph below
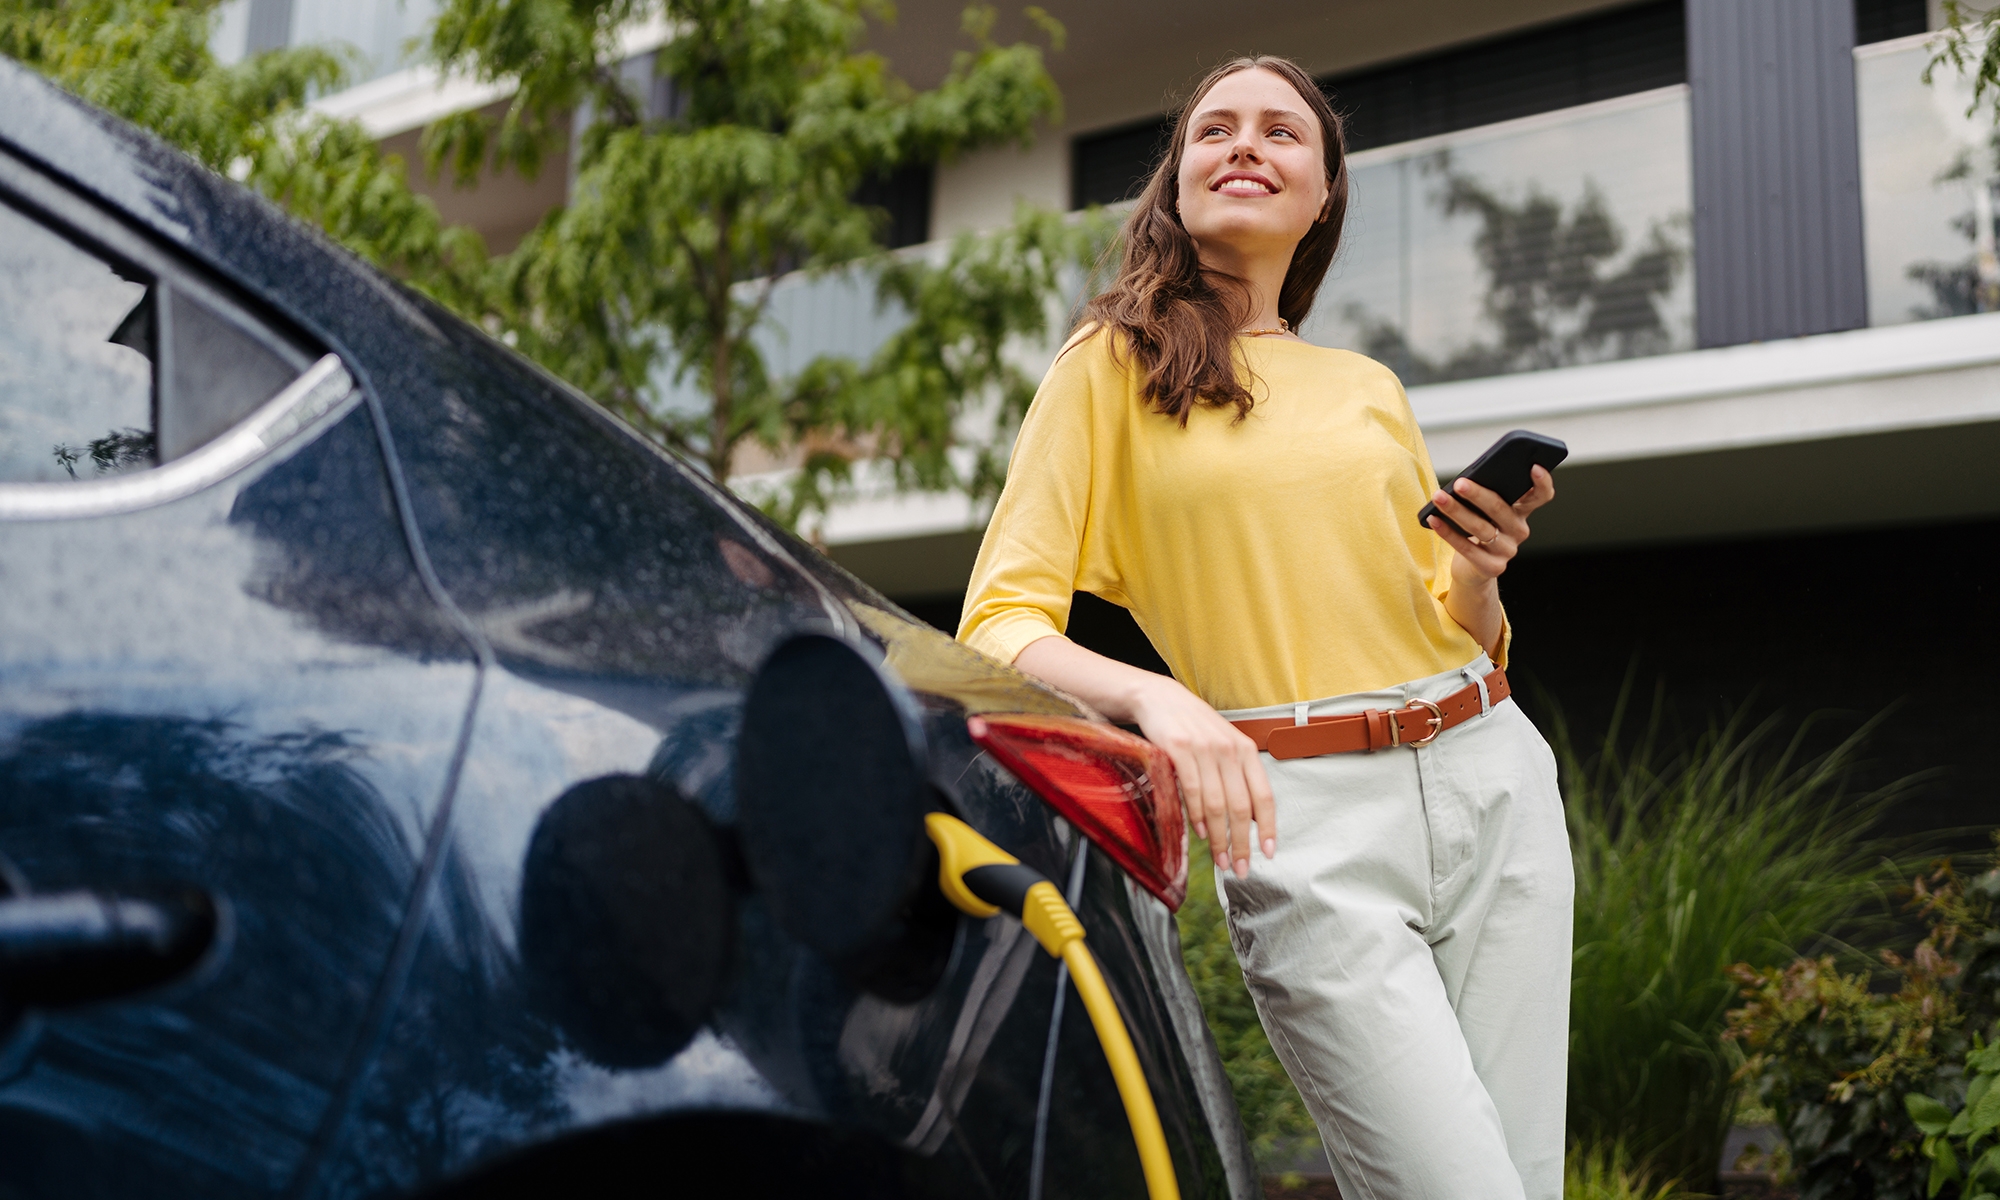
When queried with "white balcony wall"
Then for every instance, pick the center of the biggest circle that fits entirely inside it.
(378, 31)
(1930, 175)
(980, 190)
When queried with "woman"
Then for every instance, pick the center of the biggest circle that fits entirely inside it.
(1252, 499)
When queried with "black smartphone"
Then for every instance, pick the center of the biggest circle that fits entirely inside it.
(1504, 469)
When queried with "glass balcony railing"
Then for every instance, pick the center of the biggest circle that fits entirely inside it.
(1549, 241)
(1544, 242)
(1566, 238)
(1930, 183)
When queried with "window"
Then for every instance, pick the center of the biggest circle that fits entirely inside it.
(1540, 70)
(905, 194)
(1630, 49)
(1114, 165)
(1882, 20)
(76, 349)
(108, 367)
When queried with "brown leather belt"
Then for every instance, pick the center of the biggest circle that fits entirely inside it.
(1375, 729)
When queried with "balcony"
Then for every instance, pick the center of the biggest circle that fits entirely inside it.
(1550, 241)
(1929, 179)
(1540, 272)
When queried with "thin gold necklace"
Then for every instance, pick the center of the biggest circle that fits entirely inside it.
(1284, 326)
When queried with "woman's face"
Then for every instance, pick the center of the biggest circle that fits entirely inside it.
(1253, 171)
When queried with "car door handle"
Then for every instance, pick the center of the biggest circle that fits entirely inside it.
(63, 948)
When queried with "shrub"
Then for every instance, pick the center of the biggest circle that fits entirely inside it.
(1951, 1140)
(1866, 1071)
(1736, 845)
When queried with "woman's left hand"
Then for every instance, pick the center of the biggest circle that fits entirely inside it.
(1497, 528)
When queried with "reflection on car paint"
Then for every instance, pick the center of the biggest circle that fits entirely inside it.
(198, 707)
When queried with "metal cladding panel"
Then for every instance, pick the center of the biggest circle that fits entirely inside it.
(1777, 171)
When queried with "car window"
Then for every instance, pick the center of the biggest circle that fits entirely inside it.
(107, 367)
(76, 370)
(221, 371)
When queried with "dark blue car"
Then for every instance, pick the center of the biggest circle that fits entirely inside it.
(372, 759)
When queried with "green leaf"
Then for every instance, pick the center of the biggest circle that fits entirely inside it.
(1987, 1168)
(1944, 1168)
(1983, 1113)
(1930, 1115)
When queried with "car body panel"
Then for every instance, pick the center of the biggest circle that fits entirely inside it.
(166, 715)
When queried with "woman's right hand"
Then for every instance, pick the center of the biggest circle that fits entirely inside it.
(1222, 780)
(1223, 785)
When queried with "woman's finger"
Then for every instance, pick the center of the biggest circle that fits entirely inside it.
(1237, 790)
(1263, 805)
(1480, 556)
(1503, 517)
(1479, 527)
(1541, 493)
(1188, 776)
(1215, 804)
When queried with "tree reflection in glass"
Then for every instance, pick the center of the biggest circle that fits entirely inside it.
(1557, 291)
(1970, 284)
(1544, 242)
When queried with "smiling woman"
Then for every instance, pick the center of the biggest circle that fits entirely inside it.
(1236, 228)
(1252, 499)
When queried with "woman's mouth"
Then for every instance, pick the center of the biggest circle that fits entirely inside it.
(1244, 183)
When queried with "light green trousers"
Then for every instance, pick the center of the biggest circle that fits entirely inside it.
(1408, 950)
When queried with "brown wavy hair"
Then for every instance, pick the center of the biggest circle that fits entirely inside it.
(1180, 322)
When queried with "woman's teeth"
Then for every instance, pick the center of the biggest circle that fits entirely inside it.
(1245, 187)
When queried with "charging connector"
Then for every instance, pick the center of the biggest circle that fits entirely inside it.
(981, 879)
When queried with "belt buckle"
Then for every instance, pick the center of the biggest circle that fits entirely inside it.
(1435, 721)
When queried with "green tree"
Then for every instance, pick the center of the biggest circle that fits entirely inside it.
(1969, 41)
(149, 62)
(686, 214)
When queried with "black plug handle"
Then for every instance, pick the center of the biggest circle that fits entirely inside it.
(66, 948)
(1003, 885)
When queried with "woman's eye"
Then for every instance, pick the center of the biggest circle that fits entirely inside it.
(1282, 130)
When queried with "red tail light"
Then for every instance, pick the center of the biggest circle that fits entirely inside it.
(1116, 787)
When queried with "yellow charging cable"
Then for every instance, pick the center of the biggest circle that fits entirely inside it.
(981, 879)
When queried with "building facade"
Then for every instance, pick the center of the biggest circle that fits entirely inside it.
(1735, 252)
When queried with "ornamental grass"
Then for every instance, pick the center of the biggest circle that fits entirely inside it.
(1739, 844)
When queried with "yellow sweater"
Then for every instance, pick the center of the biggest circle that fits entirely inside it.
(1270, 562)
